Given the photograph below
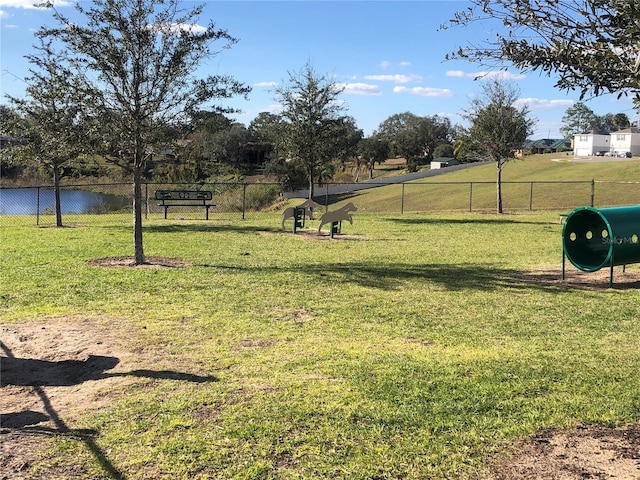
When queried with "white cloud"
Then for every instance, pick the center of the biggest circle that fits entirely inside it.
(502, 75)
(425, 91)
(177, 27)
(394, 78)
(451, 116)
(386, 64)
(265, 84)
(31, 3)
(542, 103)
(498, 74)
(273, 108)
(359, 88)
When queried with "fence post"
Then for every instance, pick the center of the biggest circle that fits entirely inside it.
(593, 191)
(470, 196)
(326, 198)
(146, 201)
(38, 206)
(531, 196)
(244, 198)
(402, 200)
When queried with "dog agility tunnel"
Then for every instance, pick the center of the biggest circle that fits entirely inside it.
(593, 238)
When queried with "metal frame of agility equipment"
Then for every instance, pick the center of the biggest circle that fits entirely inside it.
(595, 238)
(299, 213)
(334, 218)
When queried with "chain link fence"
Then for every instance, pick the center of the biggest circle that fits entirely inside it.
(240, 201)
(114, 202)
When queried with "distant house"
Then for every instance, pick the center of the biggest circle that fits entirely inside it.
(443, 162)
(591, 142)
(544, 145)
(527, 147)
(562, 145)
(627, 140)
(596, 142)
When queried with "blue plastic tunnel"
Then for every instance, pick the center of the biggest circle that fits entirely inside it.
(595, 238)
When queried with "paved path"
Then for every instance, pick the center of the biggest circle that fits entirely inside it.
(341, 188)
(594, 159)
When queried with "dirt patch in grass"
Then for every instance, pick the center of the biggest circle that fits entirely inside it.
(51, 373)
(573, 278)
(130, 262)
(298, 316)
(55, 371)
(576, 453)
(312, 234)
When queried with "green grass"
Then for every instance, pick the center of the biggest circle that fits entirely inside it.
(418, 351)
(548, 172)
(552, 166)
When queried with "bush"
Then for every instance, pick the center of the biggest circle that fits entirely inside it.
(253, 197)
(443, 150)
(414, 163)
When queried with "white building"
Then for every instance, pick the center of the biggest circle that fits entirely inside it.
(443, 162)
(627, 140)
(590, 143)
(598, 141)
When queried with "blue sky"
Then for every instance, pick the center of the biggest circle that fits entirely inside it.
(389, 56)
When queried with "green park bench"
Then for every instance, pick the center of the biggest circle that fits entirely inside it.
(184, 198)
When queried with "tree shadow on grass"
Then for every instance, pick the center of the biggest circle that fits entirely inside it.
(450, 277)
(396, 276)
(34, 372)
(471, 221)
(22, 419)
(208, 228)
(37, 374)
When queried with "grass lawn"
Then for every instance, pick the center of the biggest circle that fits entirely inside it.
(537, 182)
(416, 346)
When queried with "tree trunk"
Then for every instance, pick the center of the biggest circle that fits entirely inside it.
(137, 215)
(311, 182)
(499, 187)
(56, 194)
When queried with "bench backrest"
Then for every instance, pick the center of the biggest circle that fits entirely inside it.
(183, 195)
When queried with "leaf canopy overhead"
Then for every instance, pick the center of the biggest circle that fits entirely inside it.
(592, 46)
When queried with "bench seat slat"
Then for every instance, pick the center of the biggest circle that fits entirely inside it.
(183, 195)
(184, 198)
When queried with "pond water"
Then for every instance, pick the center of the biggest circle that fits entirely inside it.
(29, 201)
